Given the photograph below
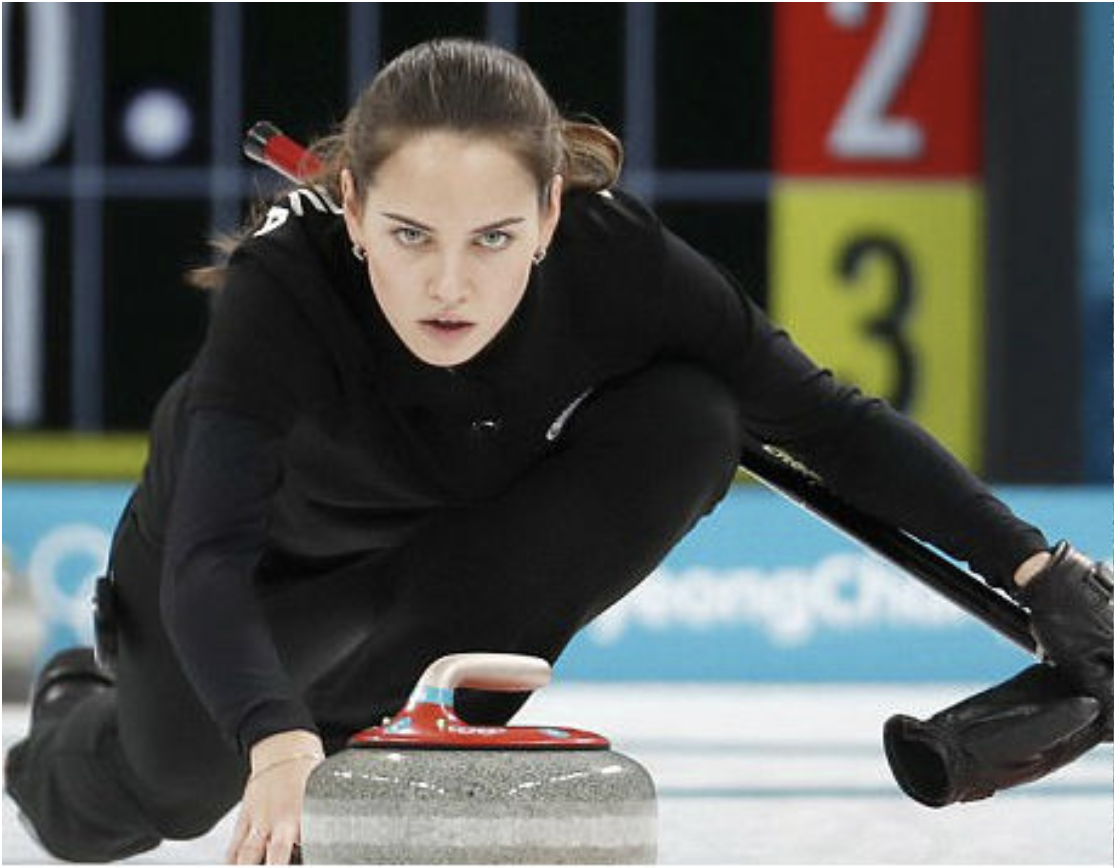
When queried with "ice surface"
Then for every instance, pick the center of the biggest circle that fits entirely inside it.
(776, 774)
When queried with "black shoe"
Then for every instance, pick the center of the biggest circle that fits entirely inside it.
(68, 677)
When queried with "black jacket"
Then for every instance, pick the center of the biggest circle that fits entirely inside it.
(306, 432)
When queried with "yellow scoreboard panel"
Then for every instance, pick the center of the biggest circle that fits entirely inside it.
(883, 283)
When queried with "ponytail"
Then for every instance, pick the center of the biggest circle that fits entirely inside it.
(593, 156)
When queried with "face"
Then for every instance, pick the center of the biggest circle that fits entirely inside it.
(449, 228)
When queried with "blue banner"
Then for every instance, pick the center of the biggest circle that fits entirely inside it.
(763, 591)
(56, 541)
(760, 591)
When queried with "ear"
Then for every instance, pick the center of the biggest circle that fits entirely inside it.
(552, 215)
(353, 207)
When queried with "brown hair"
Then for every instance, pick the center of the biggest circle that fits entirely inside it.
(460, 86)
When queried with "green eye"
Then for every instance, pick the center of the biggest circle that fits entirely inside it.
(496, 239)
(408, 236)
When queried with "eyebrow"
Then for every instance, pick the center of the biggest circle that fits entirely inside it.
(498, 224)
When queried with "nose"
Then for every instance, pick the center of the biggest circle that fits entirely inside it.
(449, 282)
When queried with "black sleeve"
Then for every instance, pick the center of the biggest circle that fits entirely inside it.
(872, 456)
(261, 357)
(261, 367)
(230, 469)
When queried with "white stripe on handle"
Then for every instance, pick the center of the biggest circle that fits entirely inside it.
(498, 672)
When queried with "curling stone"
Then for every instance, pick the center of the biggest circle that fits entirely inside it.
(425, 787)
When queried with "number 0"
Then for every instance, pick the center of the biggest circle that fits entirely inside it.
(32, 137)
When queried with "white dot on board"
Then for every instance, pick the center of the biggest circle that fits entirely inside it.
(157, 124)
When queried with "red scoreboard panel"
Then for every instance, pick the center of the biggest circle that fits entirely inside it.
(877, 89)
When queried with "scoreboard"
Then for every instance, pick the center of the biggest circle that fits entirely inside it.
(877, 205)
(122, 129)
(830, 155)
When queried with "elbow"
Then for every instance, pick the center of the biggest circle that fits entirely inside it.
(168, 593)
(181, 595)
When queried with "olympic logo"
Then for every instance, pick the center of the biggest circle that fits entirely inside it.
(62, 569)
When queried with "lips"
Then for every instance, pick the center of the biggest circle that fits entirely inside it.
(447, 325)
(446, 330)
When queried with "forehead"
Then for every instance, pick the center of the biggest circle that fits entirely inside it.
(444, 164)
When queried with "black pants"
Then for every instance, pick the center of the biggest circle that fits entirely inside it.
(523, 572)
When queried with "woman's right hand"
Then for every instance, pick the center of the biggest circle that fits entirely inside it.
(270, 821)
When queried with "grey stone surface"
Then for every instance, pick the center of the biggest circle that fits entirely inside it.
(385, 806)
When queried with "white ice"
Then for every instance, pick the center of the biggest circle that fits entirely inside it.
(771, 774)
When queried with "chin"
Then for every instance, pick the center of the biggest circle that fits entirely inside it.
(441, 357)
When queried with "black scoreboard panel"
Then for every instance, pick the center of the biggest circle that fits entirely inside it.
(153, 323)
(147, 103)
(713, 86)
(121, 142)
(294, 66)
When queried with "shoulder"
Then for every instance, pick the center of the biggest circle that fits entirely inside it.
(608, 220)
(302, 209)
(605, 266)
(607, 239)
(288, 281)
(297, 255)
(302, 232)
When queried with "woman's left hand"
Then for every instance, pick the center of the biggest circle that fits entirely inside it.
(269, 826)
(1070, 601)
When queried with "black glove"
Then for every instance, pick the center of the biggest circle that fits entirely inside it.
(1011, 734)
(1071, 601)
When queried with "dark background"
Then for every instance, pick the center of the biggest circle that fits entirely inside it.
(688, 87)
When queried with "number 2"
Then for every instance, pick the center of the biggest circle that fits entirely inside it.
(862, 130)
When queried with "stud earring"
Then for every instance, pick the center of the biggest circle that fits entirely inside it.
(539, 256)
(358, 251)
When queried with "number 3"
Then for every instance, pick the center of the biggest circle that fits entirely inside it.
(861, 130)
(887, 326)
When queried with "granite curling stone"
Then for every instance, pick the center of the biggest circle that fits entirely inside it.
(425, 787)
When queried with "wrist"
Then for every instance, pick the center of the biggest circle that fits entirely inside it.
(271, 717)
(1030, 567)
(285, 745)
